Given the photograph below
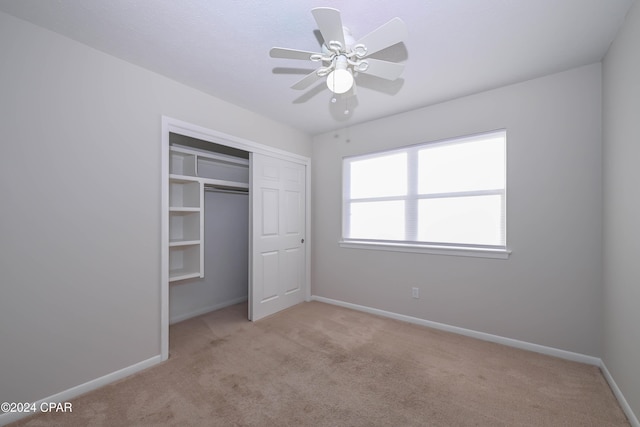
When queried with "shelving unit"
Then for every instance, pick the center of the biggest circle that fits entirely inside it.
(185, 262)
(182, 163)
(195, 163)
(183, 192)
(190, 171)
(185, 228)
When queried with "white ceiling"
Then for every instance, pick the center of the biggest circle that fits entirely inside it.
(455, 47)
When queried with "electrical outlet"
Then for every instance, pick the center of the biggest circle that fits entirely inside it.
(415, 293)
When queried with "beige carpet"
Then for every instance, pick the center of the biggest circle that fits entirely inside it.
(321, 365)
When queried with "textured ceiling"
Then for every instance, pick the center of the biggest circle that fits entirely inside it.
(454, 48)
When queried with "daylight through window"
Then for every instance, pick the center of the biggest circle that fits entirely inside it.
(447, 193)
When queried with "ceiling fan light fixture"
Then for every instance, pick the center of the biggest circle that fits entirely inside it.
(340, 80)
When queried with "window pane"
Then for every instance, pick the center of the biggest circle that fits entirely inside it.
(468, 166)
(379, 176)
(377, 220)
(465, 220)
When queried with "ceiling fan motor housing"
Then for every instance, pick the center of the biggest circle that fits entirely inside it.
(340, 80)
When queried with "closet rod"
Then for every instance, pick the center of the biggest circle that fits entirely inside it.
(221, 190)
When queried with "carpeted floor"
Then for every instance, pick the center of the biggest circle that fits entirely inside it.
(320, 365)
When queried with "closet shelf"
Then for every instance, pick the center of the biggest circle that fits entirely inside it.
(181, 209)
(183, 179)
(176, 275)
(217, 157)
(174, 243)
(222, 183)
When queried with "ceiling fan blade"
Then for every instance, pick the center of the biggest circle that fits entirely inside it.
(306, 81)
(282, 52)
(384, 69)
(330, 24)
(384, 36)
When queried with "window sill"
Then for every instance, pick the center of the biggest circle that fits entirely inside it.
(427, 249)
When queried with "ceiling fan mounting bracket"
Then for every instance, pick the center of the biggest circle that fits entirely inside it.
(335, 46)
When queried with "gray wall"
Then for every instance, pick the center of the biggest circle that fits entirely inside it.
(80, 206)
(621, 123)
(226, 260)
(549, 291)
(80, 211)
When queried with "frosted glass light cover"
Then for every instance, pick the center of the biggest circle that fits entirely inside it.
(340, 81)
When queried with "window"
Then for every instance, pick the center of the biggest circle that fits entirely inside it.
(446, 196)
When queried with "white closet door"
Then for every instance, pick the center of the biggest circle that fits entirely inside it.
(277, 235)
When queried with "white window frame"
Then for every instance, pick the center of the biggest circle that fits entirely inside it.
(412, 198)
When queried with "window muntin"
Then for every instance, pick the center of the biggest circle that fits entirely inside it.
(448, 193)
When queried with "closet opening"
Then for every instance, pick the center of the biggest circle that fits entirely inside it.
(208, 226)
(234, 226)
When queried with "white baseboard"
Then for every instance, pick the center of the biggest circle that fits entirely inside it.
(76, 391)
(568, 355)
(550, 351)
(73, 392)
(66, 395)
(633, 420)
(185, 316)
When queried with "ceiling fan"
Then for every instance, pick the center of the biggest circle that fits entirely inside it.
(343, 57)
